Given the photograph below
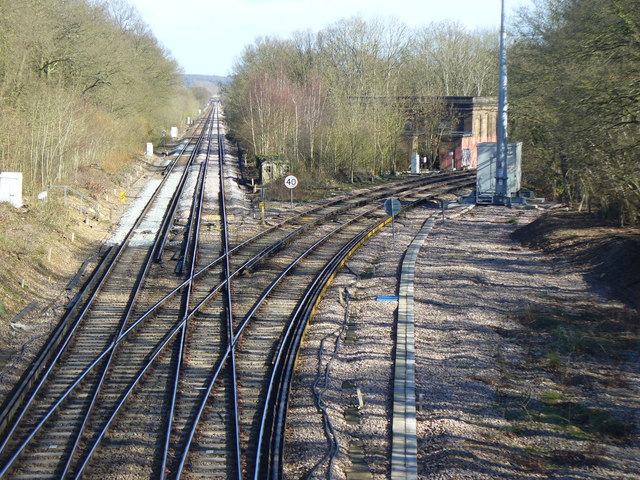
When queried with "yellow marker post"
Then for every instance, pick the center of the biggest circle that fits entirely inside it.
(261, 205)
(122, 197)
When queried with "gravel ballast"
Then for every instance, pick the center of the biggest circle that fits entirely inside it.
(500, 394)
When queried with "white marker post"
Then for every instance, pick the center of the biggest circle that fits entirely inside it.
(291, 182)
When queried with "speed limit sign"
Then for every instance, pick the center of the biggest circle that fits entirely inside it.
(291, 181)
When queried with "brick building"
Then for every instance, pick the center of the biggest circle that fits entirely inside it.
(474, 120)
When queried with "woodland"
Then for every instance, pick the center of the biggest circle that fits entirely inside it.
(359, 96)
(356, 96)
(85, 82)
(82, 82)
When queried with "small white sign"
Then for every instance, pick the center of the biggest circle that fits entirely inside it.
(291, 181)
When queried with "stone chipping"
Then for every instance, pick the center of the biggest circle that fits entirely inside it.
(486, 407)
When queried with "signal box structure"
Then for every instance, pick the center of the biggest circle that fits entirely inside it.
(486, 171)
(272, 167)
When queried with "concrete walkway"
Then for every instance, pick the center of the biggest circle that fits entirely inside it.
(404, 456)
(404, 450)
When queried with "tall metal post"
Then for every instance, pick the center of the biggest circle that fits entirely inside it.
(501, 154)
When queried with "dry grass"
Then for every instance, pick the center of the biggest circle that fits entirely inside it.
(27, 271)
(600, 332)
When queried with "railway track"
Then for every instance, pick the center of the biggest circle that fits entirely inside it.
(184, 372)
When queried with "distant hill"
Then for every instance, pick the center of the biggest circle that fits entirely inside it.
(210, 82)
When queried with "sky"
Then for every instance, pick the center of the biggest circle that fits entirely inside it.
(208, 36)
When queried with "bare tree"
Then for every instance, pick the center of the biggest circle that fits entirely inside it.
(80, 82)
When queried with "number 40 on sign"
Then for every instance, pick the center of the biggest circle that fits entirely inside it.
(291, 182)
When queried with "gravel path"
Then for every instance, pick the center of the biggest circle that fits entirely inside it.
(489, 404)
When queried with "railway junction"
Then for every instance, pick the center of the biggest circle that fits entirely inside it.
(200, 347)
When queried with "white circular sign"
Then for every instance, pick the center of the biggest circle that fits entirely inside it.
(291, 181)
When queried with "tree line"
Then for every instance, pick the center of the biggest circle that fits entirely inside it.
(362, 95)
(81, 82)
(575, 102)
(357, 96)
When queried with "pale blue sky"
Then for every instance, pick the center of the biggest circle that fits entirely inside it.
(207, 36)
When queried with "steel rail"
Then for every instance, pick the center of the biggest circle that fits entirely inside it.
(284, 364)
(184, 309)
(196, 215)
(262, 299)
(220, 365)
(195, 310)
(229, 306)
(222, 361)
(70, 333)
(9, 404)
(249, 264)
(250, 315)
(265, 425)
(196, 211)
(170, 334)
(169, 168)
(245, 266)
(152, 310)
(182, 329)
(157, 350)
(268, 461)
(197, 200)
(125, 317)
(229, 324)
(172, 163)
(29, 378)
(133, 297)
(168, 218)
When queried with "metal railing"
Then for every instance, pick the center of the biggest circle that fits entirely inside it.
(83, 198)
